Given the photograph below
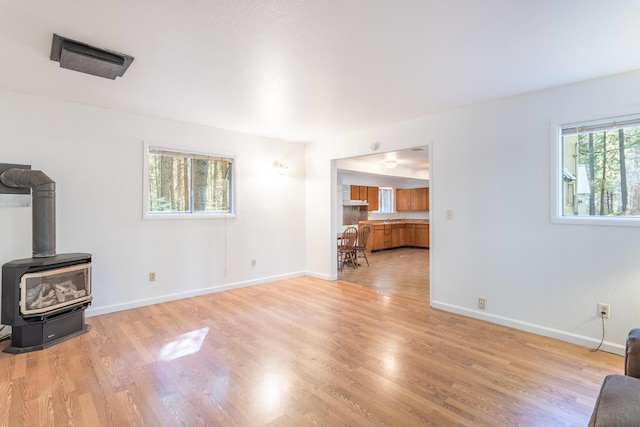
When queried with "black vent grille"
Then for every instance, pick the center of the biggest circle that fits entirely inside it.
(77, 56)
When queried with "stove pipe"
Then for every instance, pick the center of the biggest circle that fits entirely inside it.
(43, 211)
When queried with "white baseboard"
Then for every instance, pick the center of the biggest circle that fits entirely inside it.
(318, 275)
(96, 311)
(533, 328)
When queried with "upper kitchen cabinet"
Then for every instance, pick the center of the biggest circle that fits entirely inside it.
(358, 192)
(403, 199)
(363, 192)
(372, 198)
(412, 199)
(420, 199)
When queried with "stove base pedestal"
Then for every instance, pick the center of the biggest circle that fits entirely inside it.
(46, 333)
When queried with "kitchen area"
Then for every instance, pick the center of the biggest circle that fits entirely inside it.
(392, 198)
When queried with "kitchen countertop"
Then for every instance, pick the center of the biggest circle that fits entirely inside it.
(394, 221)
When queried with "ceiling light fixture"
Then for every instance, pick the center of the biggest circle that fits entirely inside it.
(281, 167)
(390, 164)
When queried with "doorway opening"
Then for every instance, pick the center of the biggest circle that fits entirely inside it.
(403, 268)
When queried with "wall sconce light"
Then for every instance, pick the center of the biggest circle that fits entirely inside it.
(281, 167)
(390, 164)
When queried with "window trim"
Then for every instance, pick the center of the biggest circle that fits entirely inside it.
(391, 200)
(146, 215)
(557, 167)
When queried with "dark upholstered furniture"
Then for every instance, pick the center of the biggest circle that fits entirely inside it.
(618, 403)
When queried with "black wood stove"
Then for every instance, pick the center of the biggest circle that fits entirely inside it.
(43, 298)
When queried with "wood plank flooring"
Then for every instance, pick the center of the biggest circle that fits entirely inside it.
(401, 271)
(301, 352)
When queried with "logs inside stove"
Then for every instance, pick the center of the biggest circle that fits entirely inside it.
(43, 298)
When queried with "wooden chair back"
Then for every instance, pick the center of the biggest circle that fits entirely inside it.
(349, 238)
(363, 236)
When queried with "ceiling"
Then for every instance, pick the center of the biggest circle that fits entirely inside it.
(308, 70)
(409, 163)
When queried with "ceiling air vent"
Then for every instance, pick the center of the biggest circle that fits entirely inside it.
(78, 56)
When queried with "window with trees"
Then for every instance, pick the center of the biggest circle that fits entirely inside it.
(187, 184)
(385, 202)
(601, 169)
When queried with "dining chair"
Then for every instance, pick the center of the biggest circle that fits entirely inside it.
(347, 247)
(361, 244)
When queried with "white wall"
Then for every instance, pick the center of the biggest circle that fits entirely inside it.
(491, 166)
(96, 158)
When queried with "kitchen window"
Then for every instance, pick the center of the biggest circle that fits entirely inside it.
(385, 200)
(181, 184)
(597, 174)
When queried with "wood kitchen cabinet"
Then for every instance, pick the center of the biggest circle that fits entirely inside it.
(387, 237)
(420, 199)
(397, 235)
(410, 235)
(422, 236)
(368, 193)
(372, 198)
(358, 192)
(412, 199)
(377, 242)
(403, 199)
(382, 237)
(417, 235)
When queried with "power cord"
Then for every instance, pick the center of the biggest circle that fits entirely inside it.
(602, 340)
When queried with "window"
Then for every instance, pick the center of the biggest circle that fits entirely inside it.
(599, 171)
(183, 184)
(385, 200)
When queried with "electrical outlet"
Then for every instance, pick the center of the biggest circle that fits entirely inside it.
(604, 310)
(152, 276)
(481, 303)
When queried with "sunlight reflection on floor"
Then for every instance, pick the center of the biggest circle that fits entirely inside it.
(184, 345)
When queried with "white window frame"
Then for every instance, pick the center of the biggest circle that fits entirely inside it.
(186, 215)
(557, 170)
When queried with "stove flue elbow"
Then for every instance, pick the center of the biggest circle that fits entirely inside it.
(43, 196)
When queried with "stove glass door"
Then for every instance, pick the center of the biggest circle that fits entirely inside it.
(51, 290)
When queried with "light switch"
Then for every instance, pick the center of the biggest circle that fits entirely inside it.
(449, 214)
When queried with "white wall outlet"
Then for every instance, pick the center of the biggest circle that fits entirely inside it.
(253, 261)
(152, 276)
(481, 303)
(604, 310)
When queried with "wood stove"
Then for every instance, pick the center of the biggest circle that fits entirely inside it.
(44, 297)
(44, 300)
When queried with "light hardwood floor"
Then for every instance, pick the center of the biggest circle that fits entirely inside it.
(402, 271)
(300, 352)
